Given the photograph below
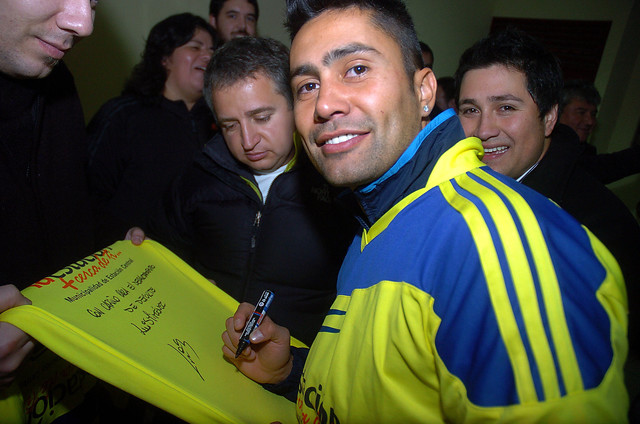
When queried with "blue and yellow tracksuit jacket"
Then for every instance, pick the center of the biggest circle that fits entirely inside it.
(470, 299)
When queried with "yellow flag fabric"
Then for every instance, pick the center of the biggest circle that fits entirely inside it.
(141, 319)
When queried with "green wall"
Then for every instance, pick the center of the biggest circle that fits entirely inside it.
(102, 62)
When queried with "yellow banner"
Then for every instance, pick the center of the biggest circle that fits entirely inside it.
(140, 318)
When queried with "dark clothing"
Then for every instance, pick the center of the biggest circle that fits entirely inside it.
(609, 167)
(292, 245)
(561, 177)
(137, 147)
(45, 218)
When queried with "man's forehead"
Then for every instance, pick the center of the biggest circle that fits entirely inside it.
(237, 6)
(579, 102)
(492, 71)
(262, 88)
(336, 33)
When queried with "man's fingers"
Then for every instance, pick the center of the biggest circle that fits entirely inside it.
(11, 297)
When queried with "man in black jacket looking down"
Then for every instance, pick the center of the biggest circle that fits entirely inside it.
(252, 213)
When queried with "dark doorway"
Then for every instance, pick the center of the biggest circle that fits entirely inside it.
(578, 44)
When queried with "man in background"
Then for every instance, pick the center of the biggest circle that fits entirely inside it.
(509, 88)
(578, 107)
(427, 55)
(446, 94)
(577, 111)
(234, 18)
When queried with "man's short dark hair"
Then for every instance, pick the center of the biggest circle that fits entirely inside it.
(579, 89)
(390, 16)
(246, 57)
(216, 5)
(519, 51)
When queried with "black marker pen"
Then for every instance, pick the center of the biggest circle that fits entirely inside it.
(254, 320)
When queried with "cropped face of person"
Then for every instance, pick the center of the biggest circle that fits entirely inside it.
(496, 107)
(256, 123)
(354, 106)
(427, 58)
(442, 101)
(36, 34)
(237, 18)
(185, 68)
(581, 116)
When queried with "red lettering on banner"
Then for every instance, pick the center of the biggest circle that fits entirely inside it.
(103, 258)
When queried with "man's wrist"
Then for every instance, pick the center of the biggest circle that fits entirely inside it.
(288, 387)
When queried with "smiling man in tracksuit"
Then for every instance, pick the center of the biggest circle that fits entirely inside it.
(466, 296)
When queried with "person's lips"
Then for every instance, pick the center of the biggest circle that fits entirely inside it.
(256, 156)
(54, 50)
(340, 142)
(491, 153)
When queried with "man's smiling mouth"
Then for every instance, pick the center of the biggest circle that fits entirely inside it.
(341, 139)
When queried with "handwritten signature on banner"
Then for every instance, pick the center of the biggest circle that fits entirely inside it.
(186, 350)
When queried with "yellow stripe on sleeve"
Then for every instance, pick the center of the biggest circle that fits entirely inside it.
(550, 289)
(523, 283)
(497, 291)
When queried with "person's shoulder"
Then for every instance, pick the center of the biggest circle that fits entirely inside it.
(210, 165)
(117, 109)
(121, 105)
(497, 196)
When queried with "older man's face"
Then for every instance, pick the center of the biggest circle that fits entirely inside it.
(354, 106)
(256, 122)
(36, 34)
(581, 116)
(237, 18)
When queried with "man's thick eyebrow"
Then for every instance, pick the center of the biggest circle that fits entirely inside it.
(493, 99)
(347, 50)
(467, 101)
(503, 97)
(332, 56)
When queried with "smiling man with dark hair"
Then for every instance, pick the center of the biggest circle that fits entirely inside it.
(458, 301)
(509, 87)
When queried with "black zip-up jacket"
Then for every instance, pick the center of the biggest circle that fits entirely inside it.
(138, 146)
(293, 244)
(45, 219)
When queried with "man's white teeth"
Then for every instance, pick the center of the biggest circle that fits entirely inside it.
(340, 139)
(202, 68)
(496, 149)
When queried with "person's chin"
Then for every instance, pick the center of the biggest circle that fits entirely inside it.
(40, 69)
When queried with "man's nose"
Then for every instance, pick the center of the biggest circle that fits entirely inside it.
(330, 102)
(76, 17)
(486, 128)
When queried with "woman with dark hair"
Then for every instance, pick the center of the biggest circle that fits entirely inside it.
(140, 141)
